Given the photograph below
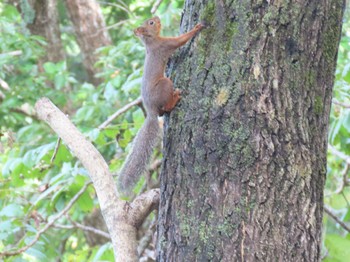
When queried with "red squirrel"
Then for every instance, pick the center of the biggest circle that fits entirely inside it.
(158, 96)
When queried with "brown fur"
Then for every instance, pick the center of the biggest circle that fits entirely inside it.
(158, 96)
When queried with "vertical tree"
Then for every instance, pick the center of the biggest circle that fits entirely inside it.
(91, 32)
(245, 151)
(41, 17)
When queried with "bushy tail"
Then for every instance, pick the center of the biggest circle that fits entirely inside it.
(138, 159)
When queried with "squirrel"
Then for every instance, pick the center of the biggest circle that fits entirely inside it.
(158, 97)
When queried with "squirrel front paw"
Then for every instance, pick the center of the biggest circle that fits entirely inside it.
(199, 27)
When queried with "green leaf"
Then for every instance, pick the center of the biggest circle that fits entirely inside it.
(101, 251)
(60, 81)
(335, 127)
(12, 210)
(10, 11)
(338, 248)
(10, 166)
(347, 216)
(5, 226)
(85, 202)
(50, 68)
(110, 93)
(37, 254)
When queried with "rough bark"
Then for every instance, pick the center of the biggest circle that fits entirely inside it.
(245, 151)
(90, 30)
(41, 17)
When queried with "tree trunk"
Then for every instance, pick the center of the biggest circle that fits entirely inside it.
(91, 33)
(245, 151)
(42, 19)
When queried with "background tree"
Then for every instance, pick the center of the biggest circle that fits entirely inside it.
(40, 178)
(91, 32)
(41, 18)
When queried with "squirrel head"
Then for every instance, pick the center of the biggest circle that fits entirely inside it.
(149, 29)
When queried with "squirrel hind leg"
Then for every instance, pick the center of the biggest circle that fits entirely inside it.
(163, 96)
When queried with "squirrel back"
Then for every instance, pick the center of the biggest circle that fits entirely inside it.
(140, 154)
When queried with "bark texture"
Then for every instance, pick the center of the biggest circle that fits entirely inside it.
(245, 151)
(90, 30)
(41, 17)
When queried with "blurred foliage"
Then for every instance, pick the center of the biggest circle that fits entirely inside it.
(337, 194)
(30, 183)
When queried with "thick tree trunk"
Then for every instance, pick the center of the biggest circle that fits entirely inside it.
(42, 19)
(90, 30)
(245, 150)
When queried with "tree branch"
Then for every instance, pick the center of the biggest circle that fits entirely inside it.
(125, 108)
(143, 205)
(340, 103)
(147, 238)
(48, 225)
(4, 85)
(121, 217)
(57, 146)
(336, 219)
(155, 6)
(13, 53)
(83, 227)
(345, 171)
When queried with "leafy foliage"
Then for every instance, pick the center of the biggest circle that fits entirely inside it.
(337, 192)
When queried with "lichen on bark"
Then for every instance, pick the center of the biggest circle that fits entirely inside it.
(245, 150)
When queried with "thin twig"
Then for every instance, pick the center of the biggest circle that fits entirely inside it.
(91, 229)
(155, 6)
(340, 103)
(119, 112)
(48, 225)
(13, 53)
(124, 8)
(83, 227)
(24, 112)
(57, 146)
(115, 25)
(4, 85)
(345, 171)
(336, 219)
(147, 238)
(344, 180)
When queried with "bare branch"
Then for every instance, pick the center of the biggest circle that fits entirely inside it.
(57, 146)
(340, 103)
(48, 225)
(336, 219)
(345, 171)
(147, 238)
(155, 6)
(339, 154)
(13, 53)
(114, 210)
(4, 85)
(119, 112)
(344, 181)
(83, 227)
(24, 112)
(143, 205)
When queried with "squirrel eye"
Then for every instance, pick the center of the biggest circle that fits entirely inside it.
(151, 22)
